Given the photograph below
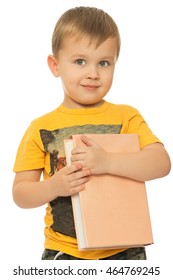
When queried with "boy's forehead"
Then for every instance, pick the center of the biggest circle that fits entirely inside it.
(74, 46)
(87, 41)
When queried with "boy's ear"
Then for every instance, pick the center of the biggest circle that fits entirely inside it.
(53, 65)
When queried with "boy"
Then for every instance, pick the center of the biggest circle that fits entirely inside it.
(85, 45)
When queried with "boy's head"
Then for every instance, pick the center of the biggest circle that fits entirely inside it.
(85, 22)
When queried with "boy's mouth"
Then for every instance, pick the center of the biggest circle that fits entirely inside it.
(90, 86)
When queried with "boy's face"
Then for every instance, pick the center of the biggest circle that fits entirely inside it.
(86, 71)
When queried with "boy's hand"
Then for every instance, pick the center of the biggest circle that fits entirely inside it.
(91, 155)
(70, 179)
(30, 192)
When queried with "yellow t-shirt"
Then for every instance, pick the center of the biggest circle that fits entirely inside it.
(42, 147)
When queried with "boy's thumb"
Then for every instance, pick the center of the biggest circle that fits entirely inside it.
(87, 141)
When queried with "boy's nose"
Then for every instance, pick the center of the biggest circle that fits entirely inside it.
(92, 73)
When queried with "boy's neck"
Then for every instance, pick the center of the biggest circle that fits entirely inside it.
(83, 106)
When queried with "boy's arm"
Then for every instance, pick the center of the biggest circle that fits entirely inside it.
(30, 192)
(150, 163)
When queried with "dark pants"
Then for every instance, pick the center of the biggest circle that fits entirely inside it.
(129, 254)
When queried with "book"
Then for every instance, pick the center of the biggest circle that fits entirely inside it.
(112, 211)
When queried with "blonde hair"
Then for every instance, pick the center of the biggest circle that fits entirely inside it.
(93, 23)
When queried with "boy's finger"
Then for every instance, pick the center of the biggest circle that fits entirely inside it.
(73, 168)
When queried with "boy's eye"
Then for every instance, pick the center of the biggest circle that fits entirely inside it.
(104, 63)
(80, 61)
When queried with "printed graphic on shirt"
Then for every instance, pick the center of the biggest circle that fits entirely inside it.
(54, 145)
(53, 142)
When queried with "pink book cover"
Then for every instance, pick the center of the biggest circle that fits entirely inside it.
(112, 211)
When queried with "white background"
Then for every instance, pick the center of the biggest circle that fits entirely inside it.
(143, 79)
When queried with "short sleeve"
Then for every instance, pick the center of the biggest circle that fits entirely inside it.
(135, 124)
(30, 154)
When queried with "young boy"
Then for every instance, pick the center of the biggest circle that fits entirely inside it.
(85, 45)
